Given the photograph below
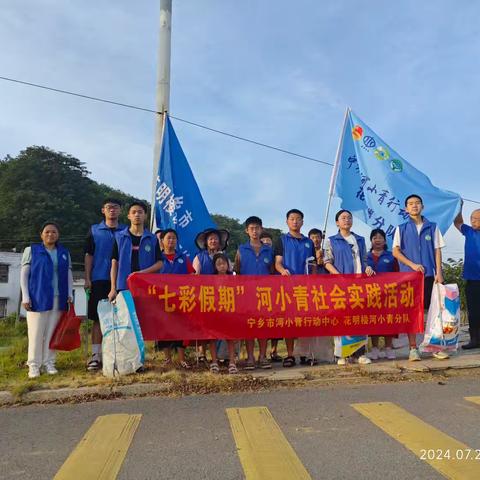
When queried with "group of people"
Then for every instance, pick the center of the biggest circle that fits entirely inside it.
(114, 251)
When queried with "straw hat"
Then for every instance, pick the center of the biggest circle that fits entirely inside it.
(201, 239)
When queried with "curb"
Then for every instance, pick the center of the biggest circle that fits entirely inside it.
(332, 373)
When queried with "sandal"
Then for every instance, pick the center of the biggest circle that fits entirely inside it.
(185, 365)
(232, 369)
(94, 365)
(275, 357)
(289, 362)
(202, 359)
(250, 366)
(264, 363)
(214, 368)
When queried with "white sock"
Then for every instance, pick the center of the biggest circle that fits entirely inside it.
(97, 349)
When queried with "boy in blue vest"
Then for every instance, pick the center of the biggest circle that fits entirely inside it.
(98, 253)
(471, 273)
(254, 258)
(292, 252)
(417, 245)
(136, 249)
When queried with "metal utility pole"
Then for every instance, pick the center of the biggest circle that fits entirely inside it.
(162, 89)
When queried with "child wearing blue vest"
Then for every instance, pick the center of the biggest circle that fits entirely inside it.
(417, 245)
(221, 266)
(254, 258)
(381, 260)
(135, 249)
(46, 282)
(98, 253)
(177, 263)
(471, 273)
(346, 252)
(293, 252)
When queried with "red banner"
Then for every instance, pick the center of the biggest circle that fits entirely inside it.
(189, 307)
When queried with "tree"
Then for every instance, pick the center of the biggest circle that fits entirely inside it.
(40, 184)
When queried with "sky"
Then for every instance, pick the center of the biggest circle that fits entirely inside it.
(275, 71)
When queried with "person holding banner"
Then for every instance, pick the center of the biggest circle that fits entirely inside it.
(381, 261)
(178, 263)
(292, 253)
(135, 249)
(47, 283)
(417, 245)
(267, 239)
(98, 254)
(254, 258)
(471, 273)
(346, 252)
(209, 242)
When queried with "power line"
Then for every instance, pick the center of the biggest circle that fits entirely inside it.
(134, 107)
(199, 125)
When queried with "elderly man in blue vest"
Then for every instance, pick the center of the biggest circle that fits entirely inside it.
(417, 245)
(98, 253)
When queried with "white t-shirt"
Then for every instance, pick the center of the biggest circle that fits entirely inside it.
(352, 241)
(438, 241)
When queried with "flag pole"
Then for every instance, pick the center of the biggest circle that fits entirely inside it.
(333, 177)
(162, 91)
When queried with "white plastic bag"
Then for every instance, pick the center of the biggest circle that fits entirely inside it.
(123, 348)
(443, 320)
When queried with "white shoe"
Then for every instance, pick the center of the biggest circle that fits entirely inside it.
(382, 354)
(374, 353)
(363, 360)
(441, 355)
(33, 371)
(414, 356)
(51, 370)
(342, 361)
(390, 353)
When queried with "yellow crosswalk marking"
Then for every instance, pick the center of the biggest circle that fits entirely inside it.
(453, 459)
(473, 399)
(263, 449)
(100, 453)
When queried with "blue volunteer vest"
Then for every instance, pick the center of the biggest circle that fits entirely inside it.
(386, 262)
(41, 277)
(342, 253)
(178, 265)
(206, 264)
(418, 248)
(146, 255)
(251, 264)
(471, 265)
(103, 238)
(295, 253)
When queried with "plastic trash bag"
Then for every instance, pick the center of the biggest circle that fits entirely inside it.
(443, 320)
(123, 348)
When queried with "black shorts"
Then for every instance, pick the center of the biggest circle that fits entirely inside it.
(427, 291)
(100, 290)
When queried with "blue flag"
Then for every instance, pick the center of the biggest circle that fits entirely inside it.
(373, 181)
(178, 201)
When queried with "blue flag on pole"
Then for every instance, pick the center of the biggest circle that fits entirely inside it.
(178, 201)
(373, 181)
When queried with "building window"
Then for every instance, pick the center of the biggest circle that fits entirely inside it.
(3, 307)
(3, 273)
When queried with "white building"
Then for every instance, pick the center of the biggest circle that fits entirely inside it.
(10, 263)
(10, 296)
